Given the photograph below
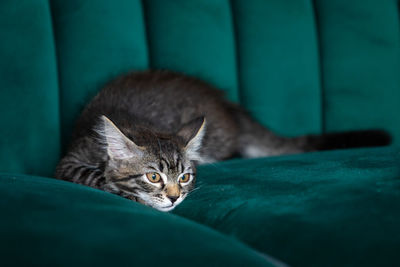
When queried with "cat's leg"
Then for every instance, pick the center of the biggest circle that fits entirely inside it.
(72, 168)
(82, 166)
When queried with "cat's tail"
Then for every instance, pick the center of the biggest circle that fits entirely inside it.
(257, 141)
(350, 139)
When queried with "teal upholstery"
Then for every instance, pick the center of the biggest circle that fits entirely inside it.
(278, 66)
(360, 64)
(29, 96)
(298, 66)
(195, 37)
(94, 228)
(320, 209)
(91, 50)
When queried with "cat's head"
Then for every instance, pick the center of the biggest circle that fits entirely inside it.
(151, 168)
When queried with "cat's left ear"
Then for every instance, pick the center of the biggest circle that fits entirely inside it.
(192, 133)
(118, 145)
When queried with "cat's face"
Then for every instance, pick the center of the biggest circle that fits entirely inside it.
(160, 180)
(159, 173)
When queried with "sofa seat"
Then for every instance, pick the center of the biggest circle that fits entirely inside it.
(48, 222)
(299, 67)
(337, 208)
(318, 209)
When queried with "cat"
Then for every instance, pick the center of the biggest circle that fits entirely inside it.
(142, 136)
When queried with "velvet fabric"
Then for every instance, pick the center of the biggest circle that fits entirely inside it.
(29, 106)
(278, 66)
(96, 41)
(47, 222)
(298, 66)
(360, 66)
(291, 64)
(194, 37)
(338, 208)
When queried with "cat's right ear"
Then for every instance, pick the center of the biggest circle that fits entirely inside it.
(118, 145)
(192, 134)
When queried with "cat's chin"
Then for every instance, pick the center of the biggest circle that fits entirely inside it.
(165, 209)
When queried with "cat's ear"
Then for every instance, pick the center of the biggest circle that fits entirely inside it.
(118, 145)
(192, 134)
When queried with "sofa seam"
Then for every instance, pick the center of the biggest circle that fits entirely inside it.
(317, 28)
(58, 78)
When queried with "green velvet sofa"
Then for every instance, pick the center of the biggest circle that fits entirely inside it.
(299, 66)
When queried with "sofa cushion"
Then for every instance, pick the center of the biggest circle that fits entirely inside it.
(356, 41)
(96, 40)
(318, 209)
(266, 55)
(47, 222)
(278, 64)
(29, 106)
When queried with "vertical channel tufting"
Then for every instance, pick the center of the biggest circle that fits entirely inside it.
(194, 37)
(236, 52)
(278, 67)
(97, 40)
(30, 137)
(360, 62)
(320, 65)
(57, 75)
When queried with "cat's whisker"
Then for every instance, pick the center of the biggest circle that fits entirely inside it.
(196, 188)
(193, 190)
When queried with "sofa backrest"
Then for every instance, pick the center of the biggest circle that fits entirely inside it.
(298, 66)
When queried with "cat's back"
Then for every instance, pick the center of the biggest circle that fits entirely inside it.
(155, 89)
(163, 99)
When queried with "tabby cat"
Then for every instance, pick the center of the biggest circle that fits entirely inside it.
(142, 136)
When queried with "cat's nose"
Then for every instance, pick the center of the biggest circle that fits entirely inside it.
(173, 198)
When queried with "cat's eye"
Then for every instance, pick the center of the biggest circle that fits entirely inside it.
(153, 177)
(184, 178)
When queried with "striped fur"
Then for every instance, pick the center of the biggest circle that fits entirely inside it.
(110, 161)
(155, 122)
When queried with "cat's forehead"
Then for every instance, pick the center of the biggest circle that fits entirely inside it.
(169, 157)
(172, 164)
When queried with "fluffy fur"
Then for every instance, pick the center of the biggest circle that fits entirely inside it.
(162, 123)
